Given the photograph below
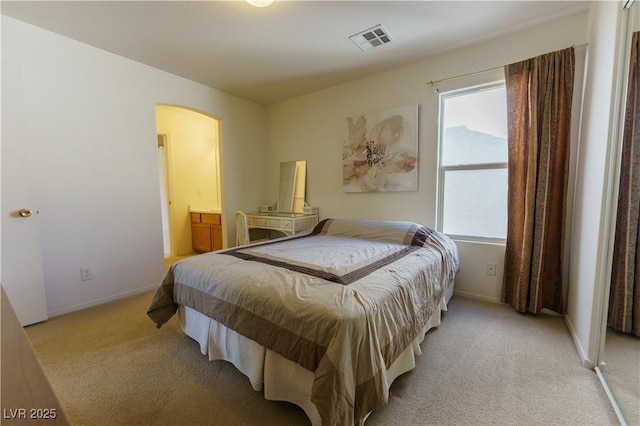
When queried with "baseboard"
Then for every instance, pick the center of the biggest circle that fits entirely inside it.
(100, 301)
(586, 361)
(476, 296)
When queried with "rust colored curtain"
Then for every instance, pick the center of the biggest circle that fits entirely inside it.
(624, 298)
(539, 97)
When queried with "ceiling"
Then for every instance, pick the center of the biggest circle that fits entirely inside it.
(287, 49)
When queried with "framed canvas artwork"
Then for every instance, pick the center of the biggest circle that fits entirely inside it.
(380, 151)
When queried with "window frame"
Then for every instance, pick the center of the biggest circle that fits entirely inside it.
(442, 170)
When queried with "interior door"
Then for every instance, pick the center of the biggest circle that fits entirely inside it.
(21, 271)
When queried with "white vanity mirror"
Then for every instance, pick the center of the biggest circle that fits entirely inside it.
(292, 216)
(291, 189)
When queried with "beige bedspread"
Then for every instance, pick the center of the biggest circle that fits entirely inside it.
(342, 301)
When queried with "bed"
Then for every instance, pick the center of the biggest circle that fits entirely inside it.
(325, 320)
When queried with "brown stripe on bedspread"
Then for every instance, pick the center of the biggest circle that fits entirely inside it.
(162, 306)
(285, 342)
(347, 278)
(419, 236)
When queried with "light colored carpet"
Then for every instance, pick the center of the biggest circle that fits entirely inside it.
(170, 260)
(622, 372)
(484, 365)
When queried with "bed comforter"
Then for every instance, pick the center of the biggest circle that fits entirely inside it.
(342, 301)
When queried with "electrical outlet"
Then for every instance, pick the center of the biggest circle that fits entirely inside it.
(86, 274)
(491, 269)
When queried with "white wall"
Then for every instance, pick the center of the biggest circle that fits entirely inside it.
(91, 121)
(589, 242)
(309, 128)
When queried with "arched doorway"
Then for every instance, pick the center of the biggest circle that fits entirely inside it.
(189, 165)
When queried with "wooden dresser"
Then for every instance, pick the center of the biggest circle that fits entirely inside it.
(206, 231)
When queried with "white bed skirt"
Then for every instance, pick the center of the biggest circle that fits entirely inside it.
(281, 379)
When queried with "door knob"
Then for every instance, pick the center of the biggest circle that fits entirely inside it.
(25, 212)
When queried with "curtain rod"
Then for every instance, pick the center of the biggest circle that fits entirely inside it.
(432, 82)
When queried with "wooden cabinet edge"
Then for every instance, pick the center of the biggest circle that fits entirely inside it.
(27, 395)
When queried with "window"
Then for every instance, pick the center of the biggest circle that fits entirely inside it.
(472, 190)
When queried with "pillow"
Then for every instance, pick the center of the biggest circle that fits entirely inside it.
(407, 233)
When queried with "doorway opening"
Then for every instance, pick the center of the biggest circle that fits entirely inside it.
(189, 173)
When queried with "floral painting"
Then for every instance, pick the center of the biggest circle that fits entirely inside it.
(380, 151)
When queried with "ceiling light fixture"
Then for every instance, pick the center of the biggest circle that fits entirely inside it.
(260, 3)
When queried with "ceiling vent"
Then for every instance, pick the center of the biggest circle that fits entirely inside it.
(372, 37)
